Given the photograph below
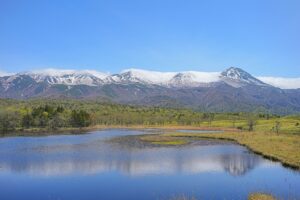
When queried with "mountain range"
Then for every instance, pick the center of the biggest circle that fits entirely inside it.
(232, 90)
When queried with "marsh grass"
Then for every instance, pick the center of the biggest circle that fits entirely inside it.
(163, 140)
(175, 142)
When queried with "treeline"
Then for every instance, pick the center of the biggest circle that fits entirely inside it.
(43, 117)
(55, 114)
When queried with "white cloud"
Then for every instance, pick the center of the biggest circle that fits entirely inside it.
(284, 83)
(3, 73)
(203, 77)
(53, 71)
(98, 74)
(151, 76)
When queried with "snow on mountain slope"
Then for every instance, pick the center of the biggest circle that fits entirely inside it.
(68, 77)
(193, 79)
(238, 78)
(62, 72)
(235, 77)
(174, 79)
(143, 76)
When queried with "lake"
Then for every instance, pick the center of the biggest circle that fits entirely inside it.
(87, 166)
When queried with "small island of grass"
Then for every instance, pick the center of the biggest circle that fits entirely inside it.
(260, 196)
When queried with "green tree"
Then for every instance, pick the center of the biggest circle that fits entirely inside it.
(8, 121)
(80, 118)
(57, 121)
(27, 120)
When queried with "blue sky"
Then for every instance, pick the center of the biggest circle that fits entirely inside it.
(260, 36)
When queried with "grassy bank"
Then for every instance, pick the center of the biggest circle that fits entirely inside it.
(278, 147)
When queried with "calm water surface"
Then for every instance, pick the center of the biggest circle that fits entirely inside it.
(86, 166)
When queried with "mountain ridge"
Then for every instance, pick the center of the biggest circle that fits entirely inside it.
(234, 76)
(232, 90)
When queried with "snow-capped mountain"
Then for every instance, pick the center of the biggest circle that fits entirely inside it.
(141, 76)
(193, 79)
(68, 77)
(235, 77)
(167, 79)
(54, 77)
(230, 90)
(232, 76)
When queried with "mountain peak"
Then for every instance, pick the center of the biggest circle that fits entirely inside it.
(238, 77)
(235, 73)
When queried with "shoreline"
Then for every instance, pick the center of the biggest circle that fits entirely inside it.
(264, 155)
(279, 148)
(84, 130)
(263, 144)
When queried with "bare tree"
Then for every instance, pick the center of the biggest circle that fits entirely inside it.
(277, 126)
(251, 122)
(211, 118)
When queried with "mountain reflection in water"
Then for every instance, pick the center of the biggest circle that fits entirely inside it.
(98, 156)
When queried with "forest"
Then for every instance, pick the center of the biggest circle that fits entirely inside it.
(53, 114)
